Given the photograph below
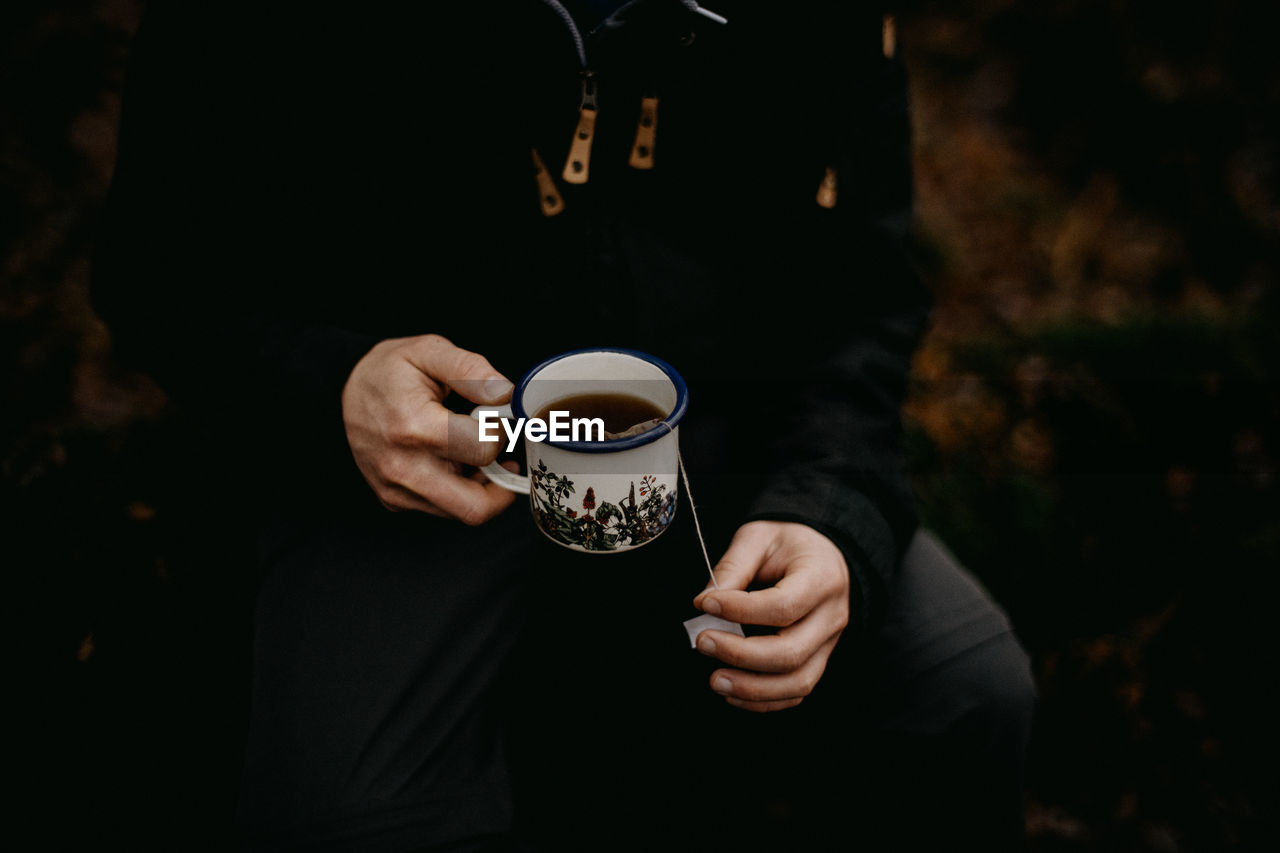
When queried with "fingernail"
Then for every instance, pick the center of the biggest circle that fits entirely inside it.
(735, 701)
(722, 685)
(711, 606)
(497, 386)
(706, 645)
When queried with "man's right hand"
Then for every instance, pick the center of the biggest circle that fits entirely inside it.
(409, 447)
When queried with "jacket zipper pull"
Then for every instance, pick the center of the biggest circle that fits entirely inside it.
(646, 133)
(549, 198)
(576, 165)
(827, 189)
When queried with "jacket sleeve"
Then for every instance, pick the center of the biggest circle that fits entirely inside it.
(838, 465)
(232, 340)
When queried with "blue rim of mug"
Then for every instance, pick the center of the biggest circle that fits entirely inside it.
(612, 445)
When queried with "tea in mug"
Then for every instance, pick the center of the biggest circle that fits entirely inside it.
(619, 412)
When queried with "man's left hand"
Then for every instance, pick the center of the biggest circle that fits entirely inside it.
(807, 600)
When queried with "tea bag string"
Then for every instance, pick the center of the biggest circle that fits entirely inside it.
(693, 510)
(695, 626)
(688, 493)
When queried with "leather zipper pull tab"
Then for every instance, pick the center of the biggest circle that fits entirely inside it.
(827, 189)
(549, 198)
(577, 164)
(646, 134)
(888, 36)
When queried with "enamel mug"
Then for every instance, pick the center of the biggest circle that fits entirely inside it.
(595, 494)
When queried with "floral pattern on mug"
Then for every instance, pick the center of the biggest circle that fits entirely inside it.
(600, 525)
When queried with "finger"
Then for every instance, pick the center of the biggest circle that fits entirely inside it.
(473, 502)
(466, 372)
(463, 442)
(468, 500)
(399, 499)
(762, 707)
(804, 586)
(407, 501)
(784, 651)
(743, 558)
(773, 687)
(451, 435)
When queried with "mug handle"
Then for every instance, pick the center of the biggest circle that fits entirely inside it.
(517, 483)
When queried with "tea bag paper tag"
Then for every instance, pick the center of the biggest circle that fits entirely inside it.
(636, 429)
(698, 624)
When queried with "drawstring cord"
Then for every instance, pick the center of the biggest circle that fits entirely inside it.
(578, 45)
(693, 6)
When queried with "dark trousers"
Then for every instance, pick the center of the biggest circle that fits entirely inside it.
(398, 675)
(914, 739)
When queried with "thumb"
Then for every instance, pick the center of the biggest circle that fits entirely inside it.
(468, 373)
(738, 567)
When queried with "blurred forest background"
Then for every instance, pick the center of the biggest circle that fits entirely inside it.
(1093, 419)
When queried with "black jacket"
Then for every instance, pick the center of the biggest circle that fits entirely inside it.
(293, 186)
